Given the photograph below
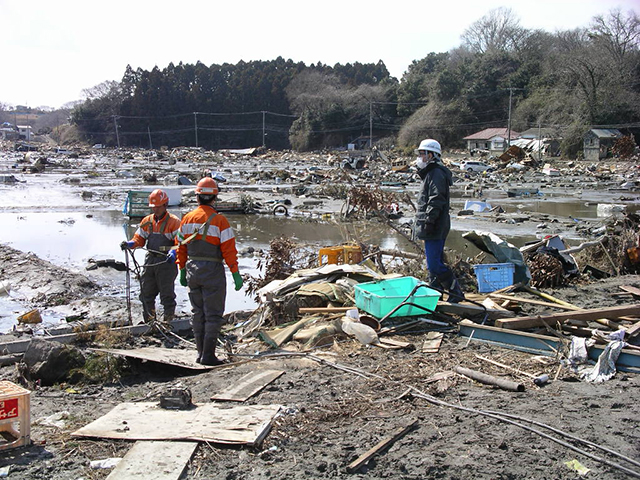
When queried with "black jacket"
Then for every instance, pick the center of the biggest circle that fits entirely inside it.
(433, 202)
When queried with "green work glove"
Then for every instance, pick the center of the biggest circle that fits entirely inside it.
(237, 278)
(183, 277)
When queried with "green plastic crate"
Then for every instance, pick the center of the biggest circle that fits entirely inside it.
(379, 298)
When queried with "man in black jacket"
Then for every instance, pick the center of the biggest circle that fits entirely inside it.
(432, 218)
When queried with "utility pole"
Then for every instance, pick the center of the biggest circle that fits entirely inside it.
(370, 125)
(539, 142)
(149, 132)
(509, 122)
(195, 126)
(115, 125)
(264, 139)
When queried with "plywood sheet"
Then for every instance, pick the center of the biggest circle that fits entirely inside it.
(248, 386)
(169, 356)
(247, 424)
(159, 460)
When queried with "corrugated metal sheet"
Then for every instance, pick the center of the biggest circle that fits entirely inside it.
(606, 132)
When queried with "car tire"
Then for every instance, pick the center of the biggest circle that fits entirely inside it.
(470, 170)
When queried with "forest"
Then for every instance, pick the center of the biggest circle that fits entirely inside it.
(569, 81)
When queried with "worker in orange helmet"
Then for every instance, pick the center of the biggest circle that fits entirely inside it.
(158, 232)
(206, 239)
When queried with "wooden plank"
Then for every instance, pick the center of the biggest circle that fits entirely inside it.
(208, 422)
(630, 289)
(633, 330)
(305, 310)
(532, 301)
(393, 343)
(168, 356)
(469, 310)
(160, 460)
(248, 386)
(432, 342)
(590, 314)
(380, 447)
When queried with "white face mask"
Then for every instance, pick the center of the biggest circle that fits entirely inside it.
(420, 163)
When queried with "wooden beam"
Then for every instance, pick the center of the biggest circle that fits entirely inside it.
(380, 447)
(469, 310)
(305, 310)
(521, 323)
(513, 298)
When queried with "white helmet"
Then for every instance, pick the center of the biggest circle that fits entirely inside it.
(430, 145)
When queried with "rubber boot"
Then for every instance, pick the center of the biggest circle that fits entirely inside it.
(148, 316)
(434, 282)
(452, 286)
(199, 338)
(210, 342)
(168, 316)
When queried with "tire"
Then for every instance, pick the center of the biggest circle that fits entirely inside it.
(470, 170)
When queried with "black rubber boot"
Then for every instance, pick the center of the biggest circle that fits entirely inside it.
(199, 338)
(209, 344)
(452, 286)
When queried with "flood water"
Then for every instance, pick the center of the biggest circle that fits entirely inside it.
(56, 224)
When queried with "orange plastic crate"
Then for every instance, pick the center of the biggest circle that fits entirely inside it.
(350, 254)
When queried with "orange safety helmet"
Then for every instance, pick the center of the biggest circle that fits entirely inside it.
(207, 186)
(157, 198)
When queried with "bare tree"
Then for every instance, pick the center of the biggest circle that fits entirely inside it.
(619, 34)
(498, 31)
(102, 90)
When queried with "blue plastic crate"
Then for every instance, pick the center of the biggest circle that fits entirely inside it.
(494, 276)
(379, 298)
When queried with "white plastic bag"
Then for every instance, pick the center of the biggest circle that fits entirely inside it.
(364, 333)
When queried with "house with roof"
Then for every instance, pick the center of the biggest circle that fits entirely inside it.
(597, 142)
(492, 139)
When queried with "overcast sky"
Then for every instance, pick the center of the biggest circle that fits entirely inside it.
(52, 50)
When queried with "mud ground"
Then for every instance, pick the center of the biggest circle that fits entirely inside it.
(331, 416)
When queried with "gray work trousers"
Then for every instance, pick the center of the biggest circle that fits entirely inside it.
(158, 279)
(207, 292)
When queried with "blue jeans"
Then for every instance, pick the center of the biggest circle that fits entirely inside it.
(434, 250)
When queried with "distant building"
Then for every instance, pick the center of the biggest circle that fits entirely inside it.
(25, 132)
(598, 142)
(8, 131)
(490, 139)
(547, 140)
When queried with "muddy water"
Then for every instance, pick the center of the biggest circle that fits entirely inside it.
(72, 238)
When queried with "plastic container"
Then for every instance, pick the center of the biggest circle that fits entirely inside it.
(379, 298)
(494, 276)
(340, 255)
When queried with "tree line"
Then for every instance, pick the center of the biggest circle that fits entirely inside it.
(571, 80)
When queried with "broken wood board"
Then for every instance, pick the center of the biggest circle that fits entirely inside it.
(391, 344)
(278, 336)
(207, 422)
(633, 330)
(470, 310)
(169, 356)
(160, 460)
(379, 448)
(306, 310)
(630, 289)
(551, 319)
(432, 342)
(248, 386)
